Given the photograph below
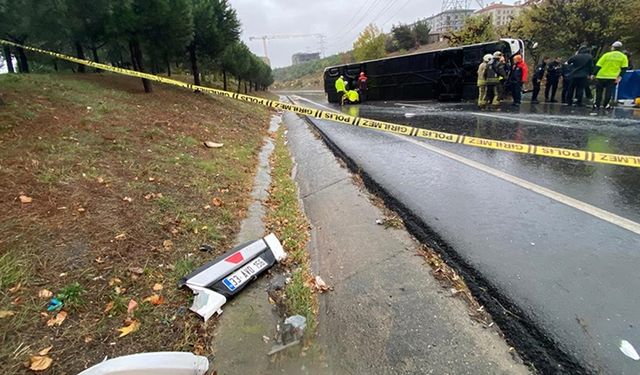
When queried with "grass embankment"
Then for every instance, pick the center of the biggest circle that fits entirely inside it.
(285, 219)
(106, 195)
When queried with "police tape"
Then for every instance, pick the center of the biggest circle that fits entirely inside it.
(553, 152)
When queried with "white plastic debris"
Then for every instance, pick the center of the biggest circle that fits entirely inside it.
(210, 144)
(296, 321)
(409, 115)
(627, 349)
(160, 363)
(206, 302)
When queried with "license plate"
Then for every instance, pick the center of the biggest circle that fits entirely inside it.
(241, 276)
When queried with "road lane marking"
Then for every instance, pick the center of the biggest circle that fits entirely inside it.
(600, 213)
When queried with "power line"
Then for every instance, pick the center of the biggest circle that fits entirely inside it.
(380, 13)
(396, 13)
(348, 23)
(341, 39)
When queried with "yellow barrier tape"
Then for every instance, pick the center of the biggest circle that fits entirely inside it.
(553, 152)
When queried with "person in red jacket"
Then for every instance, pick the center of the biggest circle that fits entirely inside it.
(362, 86)
(517, 79)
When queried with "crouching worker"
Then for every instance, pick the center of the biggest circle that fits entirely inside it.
(351, 97)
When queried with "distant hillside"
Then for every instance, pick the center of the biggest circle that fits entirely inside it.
(309, 74)
(294, 72)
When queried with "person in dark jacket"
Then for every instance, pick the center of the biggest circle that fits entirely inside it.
(538, 75)
(581, 70)
(566, 82)
(553, 77)
(517, 78)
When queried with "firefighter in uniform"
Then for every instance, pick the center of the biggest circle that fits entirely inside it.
(482, 80)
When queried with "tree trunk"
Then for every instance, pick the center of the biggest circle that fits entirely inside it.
(224, 80)
(96, 58)
(239, 82)
(136, 60)
(8, 58)
(194, 64)
(23, 64)
(245, 87)
(168, 66)
(80, 54)
(55, 64)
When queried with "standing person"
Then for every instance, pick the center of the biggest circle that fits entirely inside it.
(553, 77)
(341, 88)
(498, 66)
(581, 69)
(362, 86)
(566, 81)
(482, 80)
(609, 71)
(517, 79)
(538, 75)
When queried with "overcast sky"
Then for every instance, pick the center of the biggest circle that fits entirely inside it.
(339, 21)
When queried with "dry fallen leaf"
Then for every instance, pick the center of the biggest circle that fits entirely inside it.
(45, 293)
(157, 287)
(136, 270)
(167, 245)
(45, 351)
(114, 281)
(40, 362)
(58, 319)
(127, 199)
(6, 314)
(81, 209)
(133, 305)
(151, 179)
(108, 307)
(121, 236)
(100, 180)
(320, 285)
(216, 202)
(132, 327)
(15, 288)
(99, 260)
(119, 290)
(88, 339)
(155, 299)
(25, 199)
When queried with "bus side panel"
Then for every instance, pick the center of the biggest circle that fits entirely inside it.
(330, 76)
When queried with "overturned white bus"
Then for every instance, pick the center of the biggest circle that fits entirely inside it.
(447, 74)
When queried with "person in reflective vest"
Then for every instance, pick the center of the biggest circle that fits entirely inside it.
(609, 71)
(351, 97)
(340, 86)
(362, 86)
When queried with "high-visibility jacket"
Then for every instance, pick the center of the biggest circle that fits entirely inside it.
(340, 85)
(353, 96)
(611, 64)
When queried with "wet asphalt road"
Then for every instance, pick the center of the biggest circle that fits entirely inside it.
(572, 274)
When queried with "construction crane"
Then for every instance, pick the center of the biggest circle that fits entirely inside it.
(460, 4)
(264, 38)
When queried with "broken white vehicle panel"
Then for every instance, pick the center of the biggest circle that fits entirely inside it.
(224, 277)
